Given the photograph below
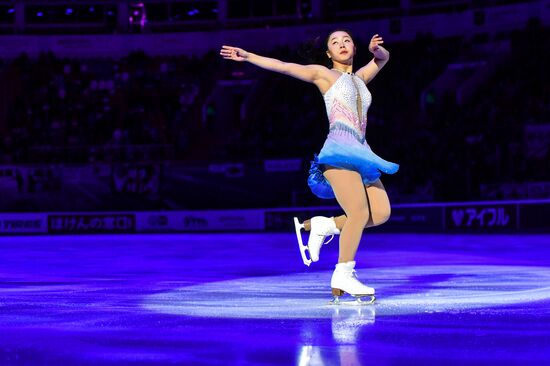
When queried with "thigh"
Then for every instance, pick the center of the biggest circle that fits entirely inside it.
(377, 196)
(348, 189)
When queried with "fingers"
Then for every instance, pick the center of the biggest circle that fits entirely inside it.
(233, 53)
(228, 51)
(375, 42)
(376, 39)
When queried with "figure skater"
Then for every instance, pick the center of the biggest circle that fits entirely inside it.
(346, 168)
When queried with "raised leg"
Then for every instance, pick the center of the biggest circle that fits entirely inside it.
(321, 227)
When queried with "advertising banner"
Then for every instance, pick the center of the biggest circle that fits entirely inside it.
(88, 223)
(482, 218)
(212, 220)
(222, 220)
(155, 221)
(15, 223)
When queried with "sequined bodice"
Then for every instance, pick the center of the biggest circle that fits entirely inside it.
(344, 105)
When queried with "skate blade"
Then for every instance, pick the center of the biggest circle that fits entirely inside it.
(301, 246)
(359, 301)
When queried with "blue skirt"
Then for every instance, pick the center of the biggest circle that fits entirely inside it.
(342, 150)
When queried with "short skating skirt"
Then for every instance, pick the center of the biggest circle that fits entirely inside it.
(342, 150)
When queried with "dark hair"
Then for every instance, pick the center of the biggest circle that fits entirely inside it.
(338, 30)
(315, 50)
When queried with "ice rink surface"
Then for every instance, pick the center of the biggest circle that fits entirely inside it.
(247, 299)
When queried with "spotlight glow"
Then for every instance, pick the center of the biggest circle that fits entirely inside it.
(401, 290)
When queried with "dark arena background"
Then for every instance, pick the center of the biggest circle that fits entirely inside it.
(148, 186)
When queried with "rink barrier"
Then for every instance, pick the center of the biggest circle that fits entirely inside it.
(526, 216)
(200, 221)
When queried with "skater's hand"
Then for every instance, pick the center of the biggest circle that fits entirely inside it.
(233, 53)
(375, 41)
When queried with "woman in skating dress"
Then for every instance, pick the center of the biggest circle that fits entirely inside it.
(346, 168)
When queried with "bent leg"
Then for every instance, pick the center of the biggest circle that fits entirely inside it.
(351, 196)
(379, 204)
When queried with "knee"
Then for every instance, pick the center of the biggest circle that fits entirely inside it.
(381, 215)
(360, 215)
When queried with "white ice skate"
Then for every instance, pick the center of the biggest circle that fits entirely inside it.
(321, 227)
(344, 280)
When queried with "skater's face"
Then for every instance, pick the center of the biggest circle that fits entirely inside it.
(340, 47)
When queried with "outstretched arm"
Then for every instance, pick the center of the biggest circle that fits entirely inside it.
(309, 73)
(381, 57)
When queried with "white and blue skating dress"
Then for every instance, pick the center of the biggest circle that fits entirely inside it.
(347, 102)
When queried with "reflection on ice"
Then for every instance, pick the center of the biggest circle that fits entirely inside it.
(347, 322)
(310, 356)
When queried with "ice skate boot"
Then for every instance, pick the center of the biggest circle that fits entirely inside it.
(344, 280)
(321, 227)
